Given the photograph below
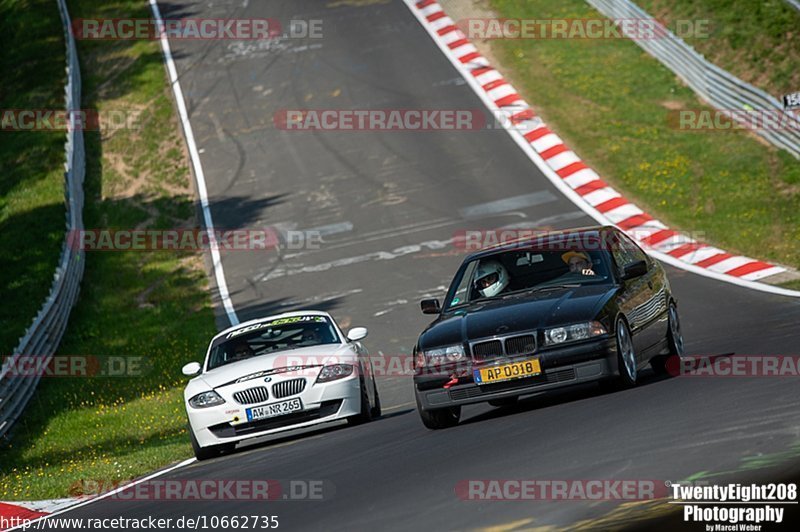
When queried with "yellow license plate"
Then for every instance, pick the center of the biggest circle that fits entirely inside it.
(507, 372)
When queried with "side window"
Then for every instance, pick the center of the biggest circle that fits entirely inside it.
(462, 293)
(625, 251)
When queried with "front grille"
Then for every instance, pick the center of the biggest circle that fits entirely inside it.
(287, 388)
(487, 350)
(520, 345)
(250, 396)
(548, 377)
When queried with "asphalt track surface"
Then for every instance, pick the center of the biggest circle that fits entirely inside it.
(387, 201)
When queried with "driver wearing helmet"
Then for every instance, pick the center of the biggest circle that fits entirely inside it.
(491, 278)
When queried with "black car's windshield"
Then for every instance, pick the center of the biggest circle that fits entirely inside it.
(520, 271)
(272, 336)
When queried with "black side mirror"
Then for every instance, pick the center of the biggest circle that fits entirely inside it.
(637, 269)
(430, 306)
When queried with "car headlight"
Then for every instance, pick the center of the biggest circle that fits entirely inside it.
(206, 399)
(440, 356)
(572, 333)
(335, 372)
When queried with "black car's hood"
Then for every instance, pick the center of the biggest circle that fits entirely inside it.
(537, 310)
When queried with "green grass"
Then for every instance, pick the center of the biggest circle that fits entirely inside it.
(144, 304)
(32, 209)
(758, 42)
(610, 101)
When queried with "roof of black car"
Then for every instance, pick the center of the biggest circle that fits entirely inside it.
(540, 237)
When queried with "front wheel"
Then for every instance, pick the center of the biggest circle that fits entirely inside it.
(439, 418)
(365, 415)
(212, 451)
(626, 356)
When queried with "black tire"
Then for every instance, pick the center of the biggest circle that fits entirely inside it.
(365, 416)
(675, 344)
(505, 401)
(212, 451)
(440, 418)
(626, 356)
(376, 408)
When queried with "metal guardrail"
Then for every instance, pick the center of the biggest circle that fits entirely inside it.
(716, 86)
(43, 336)
(795, 4)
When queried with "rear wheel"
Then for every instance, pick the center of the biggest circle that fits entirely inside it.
(440, 418)
(212, 451)
(505, 401)
(674, 341)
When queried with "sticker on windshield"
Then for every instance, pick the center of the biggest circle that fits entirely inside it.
(274, 323)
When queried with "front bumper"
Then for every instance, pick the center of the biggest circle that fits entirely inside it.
(227, 423)
(585, 362)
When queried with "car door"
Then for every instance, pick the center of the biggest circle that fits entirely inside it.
(650, 314)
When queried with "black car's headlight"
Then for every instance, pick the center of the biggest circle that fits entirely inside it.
(572, 333)
(335, 372)
(440, 356)
(206, 399)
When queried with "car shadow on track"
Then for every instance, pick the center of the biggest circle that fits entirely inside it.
(268, 442)
(562, 396)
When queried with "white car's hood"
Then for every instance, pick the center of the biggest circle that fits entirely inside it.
(304, 356)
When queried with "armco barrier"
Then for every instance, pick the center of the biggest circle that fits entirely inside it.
(716, 86)
(43, 336)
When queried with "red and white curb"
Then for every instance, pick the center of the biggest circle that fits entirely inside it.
(573, 177)
(31, 510)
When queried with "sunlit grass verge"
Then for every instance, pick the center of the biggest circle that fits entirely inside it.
(32, 209)
(153, 305)
(611, 101)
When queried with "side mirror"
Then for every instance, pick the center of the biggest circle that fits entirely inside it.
(632, 271)
(357, 333)
(191, 369)
(430, 306)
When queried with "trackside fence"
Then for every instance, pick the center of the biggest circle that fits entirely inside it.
(43, 336)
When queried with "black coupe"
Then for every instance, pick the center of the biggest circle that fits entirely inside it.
(543, 312)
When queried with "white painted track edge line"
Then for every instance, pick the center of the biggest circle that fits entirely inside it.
(200, 179)
(559, 183)
(108, 494)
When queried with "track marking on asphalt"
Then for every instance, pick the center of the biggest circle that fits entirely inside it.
(397, 407)
(283, 271)
(507, 527)
(200, 178)
(507, 204)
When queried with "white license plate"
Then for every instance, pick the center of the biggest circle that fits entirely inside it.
(275, 409)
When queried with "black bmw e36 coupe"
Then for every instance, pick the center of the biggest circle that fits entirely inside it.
(543, 312)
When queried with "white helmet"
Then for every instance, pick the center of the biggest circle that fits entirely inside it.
(490, 278)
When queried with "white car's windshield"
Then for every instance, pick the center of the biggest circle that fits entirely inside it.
(272, 336)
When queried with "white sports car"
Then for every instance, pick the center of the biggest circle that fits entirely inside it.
(278, 373)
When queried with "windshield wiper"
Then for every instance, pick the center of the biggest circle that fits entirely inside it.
(542, 288)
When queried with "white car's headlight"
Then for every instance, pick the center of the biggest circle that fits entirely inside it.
(572, 333)
(440, 356)
(206, 399)
(335, 372)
